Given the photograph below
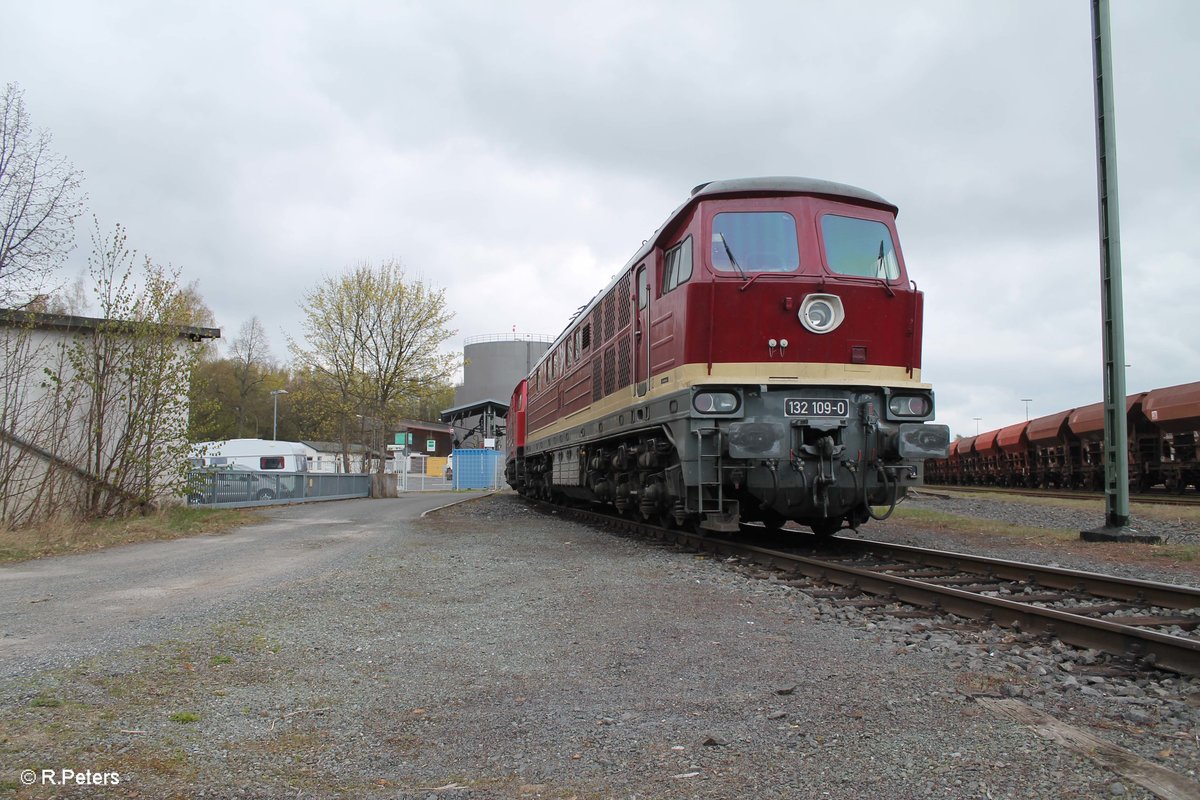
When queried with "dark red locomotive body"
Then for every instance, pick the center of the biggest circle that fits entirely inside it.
(758, 359)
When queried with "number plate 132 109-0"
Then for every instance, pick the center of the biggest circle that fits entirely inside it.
(816, 407)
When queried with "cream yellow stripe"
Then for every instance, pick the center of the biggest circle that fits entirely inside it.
(778, 373)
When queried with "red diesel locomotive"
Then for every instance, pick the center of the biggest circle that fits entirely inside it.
(757, 360)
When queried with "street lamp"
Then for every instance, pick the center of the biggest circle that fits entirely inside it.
(1027, 401)
(977, 419)
(275, 420)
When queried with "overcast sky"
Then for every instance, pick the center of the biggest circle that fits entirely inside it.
(517, 154)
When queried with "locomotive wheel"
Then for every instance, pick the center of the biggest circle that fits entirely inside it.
(826, 528)
(772, 521)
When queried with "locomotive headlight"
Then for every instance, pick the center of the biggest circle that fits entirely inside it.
(715, 402)
(910, 405)
(821, 313)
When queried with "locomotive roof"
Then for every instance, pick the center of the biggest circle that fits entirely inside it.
(776, 185)
(789, 185)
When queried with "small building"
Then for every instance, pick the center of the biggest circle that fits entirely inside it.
(67, 447)
(328, 457)
(480, 425)
(424, 438)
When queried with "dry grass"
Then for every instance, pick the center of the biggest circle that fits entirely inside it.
(1179, 555)
(1160, 513)
(943, 522)
(63, 537)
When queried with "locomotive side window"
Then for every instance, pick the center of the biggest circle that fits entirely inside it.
(677, 265)
(643, 288)
(759, 241)
(859, 247)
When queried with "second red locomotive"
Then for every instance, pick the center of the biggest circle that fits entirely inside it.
(757, 360)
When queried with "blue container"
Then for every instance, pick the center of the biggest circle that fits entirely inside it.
(477, 469)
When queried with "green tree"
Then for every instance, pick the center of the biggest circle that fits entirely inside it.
(375, 337)
(129, 381)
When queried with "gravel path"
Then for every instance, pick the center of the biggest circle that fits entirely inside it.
(491, 651)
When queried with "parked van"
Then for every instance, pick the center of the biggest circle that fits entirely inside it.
(264, 455)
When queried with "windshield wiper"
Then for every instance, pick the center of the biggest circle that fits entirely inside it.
(881, 271)
(732, 260)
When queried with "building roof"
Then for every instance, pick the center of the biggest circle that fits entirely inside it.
(333, 447)
(478, 407)
(65, 322)
(420, 425)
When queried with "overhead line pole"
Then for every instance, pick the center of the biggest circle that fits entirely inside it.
(1116, 439)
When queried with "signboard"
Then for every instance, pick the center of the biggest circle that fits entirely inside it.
(403, 437)
(490, 444)
(392, 448)
(430, 445)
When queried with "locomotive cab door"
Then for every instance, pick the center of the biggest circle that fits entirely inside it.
(641, 332)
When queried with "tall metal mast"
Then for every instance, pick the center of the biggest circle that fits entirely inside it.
(1116, 439)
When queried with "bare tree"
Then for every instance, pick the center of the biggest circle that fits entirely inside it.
(251, 359)
(39, 203)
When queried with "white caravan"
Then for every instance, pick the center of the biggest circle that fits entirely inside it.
(263, 455)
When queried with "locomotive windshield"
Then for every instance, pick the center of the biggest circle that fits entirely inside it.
(761, 241)
(859, 247)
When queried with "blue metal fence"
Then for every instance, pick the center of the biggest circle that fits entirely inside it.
(478, 469)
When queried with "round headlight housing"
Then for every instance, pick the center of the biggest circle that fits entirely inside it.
(821, 313)
(715, 402)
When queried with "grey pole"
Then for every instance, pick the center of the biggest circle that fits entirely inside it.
(275, 416)
(1116, 439)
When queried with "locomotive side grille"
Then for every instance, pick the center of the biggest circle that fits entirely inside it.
(597, 382)
(610, 317)
(610, 370)
(623, 362)
(623, 303)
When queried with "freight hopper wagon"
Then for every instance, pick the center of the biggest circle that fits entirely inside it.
(1066, 450)
(758, 359)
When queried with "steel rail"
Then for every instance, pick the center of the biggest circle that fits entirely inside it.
(1130, 589)
(1155, 499)
(1162, 650)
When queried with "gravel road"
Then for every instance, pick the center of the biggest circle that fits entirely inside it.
(58, 610)
(352, 649)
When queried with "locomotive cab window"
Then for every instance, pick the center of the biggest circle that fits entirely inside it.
(861, 248)
(758, 241)
(677, 265)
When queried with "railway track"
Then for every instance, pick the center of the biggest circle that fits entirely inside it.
(1155, 498)
(1147, 622)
